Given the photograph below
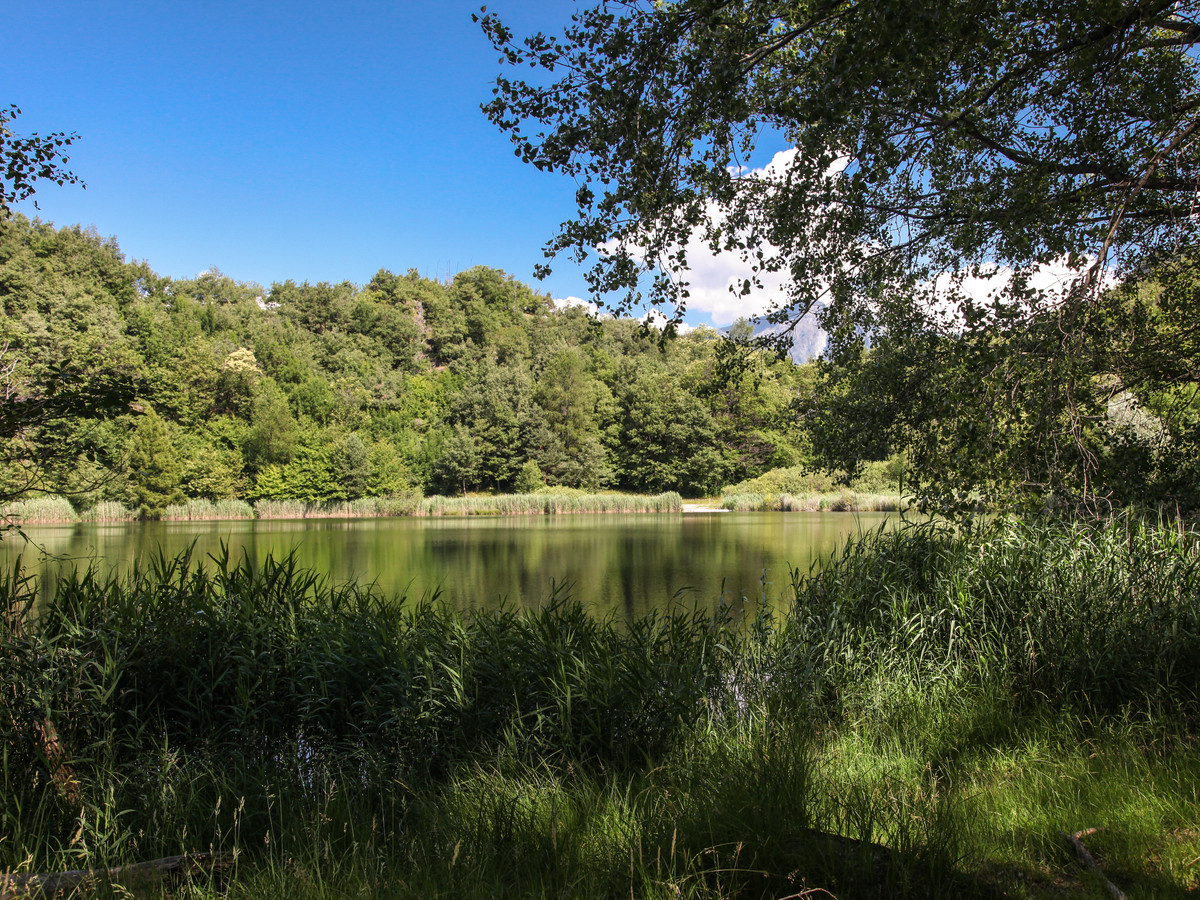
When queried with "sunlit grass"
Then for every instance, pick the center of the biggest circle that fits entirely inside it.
(548, 504)
(39, 510)
(361, 508)
(47, 510)
(840, 501)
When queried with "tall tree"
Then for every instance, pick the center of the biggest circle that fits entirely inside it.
(65, 362)
(457, 465)
(273, 435)
(156, 470)
(496, 405)
(925, 145)
(666, 440)
(573, 410)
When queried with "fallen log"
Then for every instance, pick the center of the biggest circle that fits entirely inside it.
(1076, 841)
(135, 877)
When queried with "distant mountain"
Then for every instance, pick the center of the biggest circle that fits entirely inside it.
(808, 338)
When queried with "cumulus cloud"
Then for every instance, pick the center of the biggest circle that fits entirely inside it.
(567, 302)
(655, 318)
(714, 280)
(1052, 280)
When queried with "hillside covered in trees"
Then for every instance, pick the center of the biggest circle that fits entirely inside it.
(335, 391)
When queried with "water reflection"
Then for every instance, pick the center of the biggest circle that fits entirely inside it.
(620, 564)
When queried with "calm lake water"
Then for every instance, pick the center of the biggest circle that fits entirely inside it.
(620, 564)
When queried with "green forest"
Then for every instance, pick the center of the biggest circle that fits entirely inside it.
(323, 392)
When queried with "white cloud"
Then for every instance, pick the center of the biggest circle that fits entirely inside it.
(1051, 281)
(656, 318)
(567, 302)
(714, 280)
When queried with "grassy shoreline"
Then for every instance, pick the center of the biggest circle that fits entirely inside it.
(920, 718)
(59, 511)
(821, 501)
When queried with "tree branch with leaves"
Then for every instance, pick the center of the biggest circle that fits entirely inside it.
(928, 145)
(27, 160)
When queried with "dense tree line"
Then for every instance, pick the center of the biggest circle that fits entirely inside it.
(330, 391)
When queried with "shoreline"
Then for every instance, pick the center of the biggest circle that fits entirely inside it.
(58, 511)
(454, 507)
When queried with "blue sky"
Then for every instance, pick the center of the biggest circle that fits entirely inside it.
(313, 141)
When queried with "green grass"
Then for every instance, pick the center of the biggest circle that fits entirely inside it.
(920, 717)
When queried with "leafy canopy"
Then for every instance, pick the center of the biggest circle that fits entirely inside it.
(942, 139)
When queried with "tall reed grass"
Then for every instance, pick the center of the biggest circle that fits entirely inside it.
(52, 509)
(918, 717)
(58, 509)
(39, 510)
(201, 509)
(362, 508)
(1097, 617)
(549, 504)
(267, 673)
(840, 501)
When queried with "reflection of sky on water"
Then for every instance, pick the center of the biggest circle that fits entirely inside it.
(620, 564)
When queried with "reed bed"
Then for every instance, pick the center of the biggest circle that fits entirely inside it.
(361, 508)
(840, 501)
(200, 510)
(549, 504)
(266, 674)
(495, 505)
(39, 511)
(843, 501)
(58, 509)
(1093, 617)
(918, 717)
(285, 509)
(747, 502)
(109, 511)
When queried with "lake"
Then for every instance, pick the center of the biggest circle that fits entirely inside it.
(625, 565)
